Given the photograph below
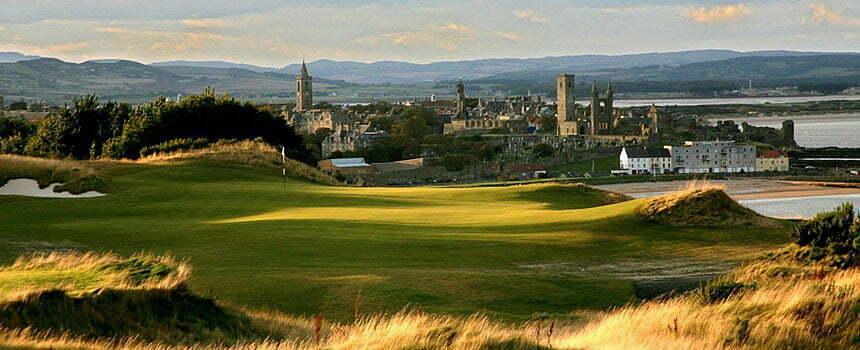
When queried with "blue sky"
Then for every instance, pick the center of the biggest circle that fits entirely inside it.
(276, 33)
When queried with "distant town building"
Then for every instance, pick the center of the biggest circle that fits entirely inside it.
(697, 157)
(304, 90)
(350, 138)
(771, 160)
(566, 116)
(645, 160)
(346, 166)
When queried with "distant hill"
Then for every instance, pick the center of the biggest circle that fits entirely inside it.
(213, 64)
(395, 72)
(53, 79)
(700, 73)
(804, 68)
(12, 57)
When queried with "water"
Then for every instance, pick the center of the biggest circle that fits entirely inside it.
(805, 207)
(817, 131)
(737, 100)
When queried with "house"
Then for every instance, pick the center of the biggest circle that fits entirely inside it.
(350, 138)
(770, 160)
(346, 166)
(701, 157)
(645, 160)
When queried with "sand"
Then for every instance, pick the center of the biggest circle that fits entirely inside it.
(738, 189)
(30, 188)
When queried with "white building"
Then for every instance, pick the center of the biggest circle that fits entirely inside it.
(644, 160)
(697, 157)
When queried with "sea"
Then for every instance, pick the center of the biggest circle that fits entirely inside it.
(805, 207)
(834, 130)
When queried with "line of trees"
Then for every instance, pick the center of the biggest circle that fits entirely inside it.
(89, 129)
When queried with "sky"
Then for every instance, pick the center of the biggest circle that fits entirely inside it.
(276, 33)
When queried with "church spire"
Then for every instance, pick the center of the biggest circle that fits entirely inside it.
(304, 73)
(304, 89)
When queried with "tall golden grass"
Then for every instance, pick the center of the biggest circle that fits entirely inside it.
(783, 304)
(245, 152)
(700, 203)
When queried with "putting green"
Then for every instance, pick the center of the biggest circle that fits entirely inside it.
(511, 252)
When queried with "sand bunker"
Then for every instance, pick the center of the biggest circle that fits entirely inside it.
(30, 188)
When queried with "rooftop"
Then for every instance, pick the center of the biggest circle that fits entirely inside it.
(645, 152)
(349, 162)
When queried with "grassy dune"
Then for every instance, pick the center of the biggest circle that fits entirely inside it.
(515, 253)
(775, 302)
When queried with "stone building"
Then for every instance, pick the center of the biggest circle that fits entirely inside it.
(567, 122)
(771, 160)
(602, 116)
(310, 121)
(304, 90)
(350, 137)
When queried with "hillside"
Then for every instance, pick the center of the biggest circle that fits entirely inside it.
(407, 73)
(304, 248)
(58, 81)
(794, 69)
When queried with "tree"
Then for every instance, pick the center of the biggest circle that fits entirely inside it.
(18, 106)
(542, 150)
(455, 162)
(548, 124)
(324, 105)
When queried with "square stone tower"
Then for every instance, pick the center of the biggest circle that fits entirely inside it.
(566, 105)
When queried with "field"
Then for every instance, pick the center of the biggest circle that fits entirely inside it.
(512, 253)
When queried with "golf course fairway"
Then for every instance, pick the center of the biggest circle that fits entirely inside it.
(511, 252)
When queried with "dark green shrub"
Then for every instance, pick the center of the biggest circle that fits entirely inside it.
(826, 229)
(832, 238)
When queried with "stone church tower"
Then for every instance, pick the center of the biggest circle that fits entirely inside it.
(304, 90)
(652, 114)
(566, 105)
(460, 103)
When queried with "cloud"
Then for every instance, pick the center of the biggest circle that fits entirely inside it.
(822, 14)
(716, 14)
(529, 15)
(64, 47)
(209, 23)
(447, 37)
(165, 41)
(510, 36)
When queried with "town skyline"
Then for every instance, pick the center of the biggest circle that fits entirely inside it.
(272, 34)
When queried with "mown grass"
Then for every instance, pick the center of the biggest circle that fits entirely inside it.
(511, 253)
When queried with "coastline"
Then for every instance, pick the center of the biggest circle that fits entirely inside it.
(829, 116)
(739, 189)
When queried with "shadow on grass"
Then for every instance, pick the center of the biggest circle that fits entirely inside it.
(173, 316)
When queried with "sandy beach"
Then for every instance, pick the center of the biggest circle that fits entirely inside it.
(739, 189)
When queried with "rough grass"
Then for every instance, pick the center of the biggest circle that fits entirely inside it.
(700, 204)
(95, 296)
(251, 153)
(784, 304)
